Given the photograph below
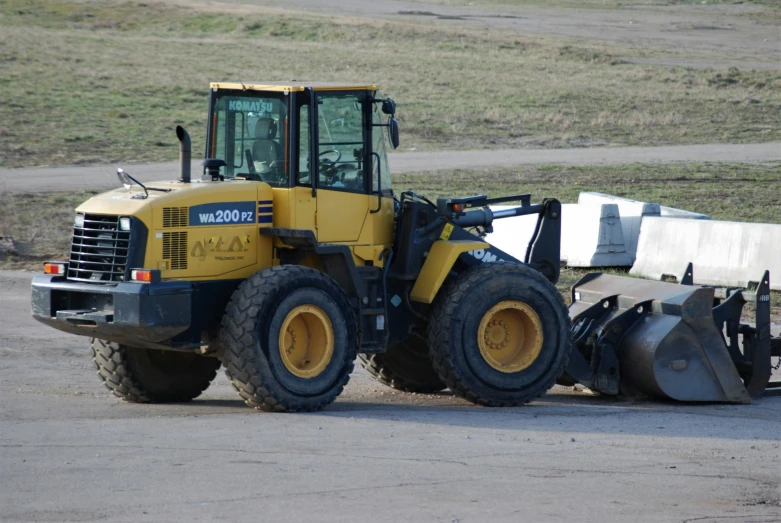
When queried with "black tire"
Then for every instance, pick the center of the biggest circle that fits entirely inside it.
(250, 339)
(406, 367)
(566, 381)
(465, 305)
(152, 376)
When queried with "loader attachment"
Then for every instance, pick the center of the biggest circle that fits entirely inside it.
(683, 342)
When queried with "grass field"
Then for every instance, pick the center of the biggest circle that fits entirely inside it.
(737, 192)
(107, 81)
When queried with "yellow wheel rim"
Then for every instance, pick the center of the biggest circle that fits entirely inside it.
(510, 336)
(306, 341)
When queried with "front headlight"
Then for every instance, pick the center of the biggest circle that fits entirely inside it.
(79, 221)
(124, 223)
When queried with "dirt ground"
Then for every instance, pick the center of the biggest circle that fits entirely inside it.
(69, 451)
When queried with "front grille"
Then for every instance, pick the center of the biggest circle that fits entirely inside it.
(99, 250)
(175, 249)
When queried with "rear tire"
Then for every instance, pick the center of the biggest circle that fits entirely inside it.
(289, 339)
(150, 375)
(499, 334)
(406, 367)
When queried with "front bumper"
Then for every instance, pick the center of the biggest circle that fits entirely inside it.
(131, 313)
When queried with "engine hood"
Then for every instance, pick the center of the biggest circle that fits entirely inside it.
(202, 200)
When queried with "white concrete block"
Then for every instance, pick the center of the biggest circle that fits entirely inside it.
(629, 207)
(723, 253)
(632, 213)
(591, 235)
(512, 235)
(672, 212)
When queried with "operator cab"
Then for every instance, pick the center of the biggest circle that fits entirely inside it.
(323, 136)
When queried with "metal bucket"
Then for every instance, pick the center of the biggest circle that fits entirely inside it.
(646, 338)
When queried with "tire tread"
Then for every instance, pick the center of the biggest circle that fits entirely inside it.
(238, 339)
(440, 334)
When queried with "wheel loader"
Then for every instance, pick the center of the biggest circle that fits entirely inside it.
(291, 256)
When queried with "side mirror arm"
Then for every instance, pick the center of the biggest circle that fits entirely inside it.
(379, 183)
(314, 167)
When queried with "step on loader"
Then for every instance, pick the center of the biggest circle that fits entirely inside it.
(290, 257)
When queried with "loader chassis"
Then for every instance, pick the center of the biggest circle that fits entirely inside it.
(291, 256)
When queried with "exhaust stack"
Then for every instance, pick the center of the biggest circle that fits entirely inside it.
(184, 154)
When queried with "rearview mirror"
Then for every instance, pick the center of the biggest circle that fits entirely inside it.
(393, 132)
(389, 106)
(123, 178)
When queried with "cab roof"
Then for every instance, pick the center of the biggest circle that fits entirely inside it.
(293, 86)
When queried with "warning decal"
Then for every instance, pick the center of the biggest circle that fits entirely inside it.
(220, 248)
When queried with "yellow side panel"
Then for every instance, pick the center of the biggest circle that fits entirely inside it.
(377, 232)
(440, 260)
(284, 207)
(210, 231)
(213, 251)
(383, 222)
(340, 215)
(304, 209)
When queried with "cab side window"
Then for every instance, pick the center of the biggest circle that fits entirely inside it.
(340, 143)
(304, 164)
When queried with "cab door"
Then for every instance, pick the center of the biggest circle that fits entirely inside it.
(342, 165)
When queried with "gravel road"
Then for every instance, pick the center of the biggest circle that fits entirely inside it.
(69, 451)
(42, 179)
(713, 36)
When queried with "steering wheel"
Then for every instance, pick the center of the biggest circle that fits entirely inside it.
(328, 160)
(328, 167)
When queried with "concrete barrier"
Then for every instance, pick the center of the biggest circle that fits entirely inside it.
(723, 253)
(629, 207)
(633, 212)
(591, 235)
(512, 235)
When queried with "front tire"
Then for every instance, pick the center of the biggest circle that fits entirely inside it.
(152, 376)
(499, 335)
(289, 339)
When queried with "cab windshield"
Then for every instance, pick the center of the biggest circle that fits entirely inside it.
(248, 132)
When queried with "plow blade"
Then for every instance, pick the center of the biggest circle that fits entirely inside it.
(645, 338)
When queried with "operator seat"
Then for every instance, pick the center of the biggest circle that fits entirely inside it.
(265, 149)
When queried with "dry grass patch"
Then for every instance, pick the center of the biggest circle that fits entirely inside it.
(36, 227)
(89, 82)
(737, 192)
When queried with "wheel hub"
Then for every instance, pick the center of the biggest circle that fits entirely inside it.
(510, 336)
(306, 341)
(497, 335)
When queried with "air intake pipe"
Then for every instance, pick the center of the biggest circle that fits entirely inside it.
(184, 154)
